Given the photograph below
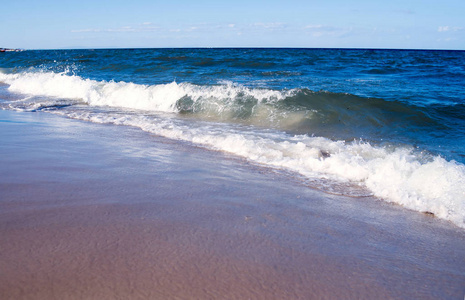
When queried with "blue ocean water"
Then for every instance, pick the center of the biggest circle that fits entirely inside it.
(388, 122)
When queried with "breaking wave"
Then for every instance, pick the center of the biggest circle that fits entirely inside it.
(316, 134)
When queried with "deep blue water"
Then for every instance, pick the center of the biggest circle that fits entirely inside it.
(344, 114)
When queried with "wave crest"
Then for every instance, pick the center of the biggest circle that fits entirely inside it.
(299, 111)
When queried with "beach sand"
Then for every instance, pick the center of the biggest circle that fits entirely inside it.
(91, 211)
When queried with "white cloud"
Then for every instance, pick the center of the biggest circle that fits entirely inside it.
(318, 30)
(144, 27)
(122, 29)
(273, 25)
(447, 40)
(86, 30)
(314, 26)
(449, 28)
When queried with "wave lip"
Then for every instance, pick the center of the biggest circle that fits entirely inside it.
(120, 94)
(161, 97)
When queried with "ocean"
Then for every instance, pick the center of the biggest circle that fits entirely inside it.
(388, 124)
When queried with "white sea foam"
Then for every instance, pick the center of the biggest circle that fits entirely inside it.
(396, 174)
(161, 97)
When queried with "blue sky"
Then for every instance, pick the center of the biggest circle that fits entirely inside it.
(420, 24)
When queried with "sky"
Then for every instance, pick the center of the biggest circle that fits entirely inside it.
(64, 24)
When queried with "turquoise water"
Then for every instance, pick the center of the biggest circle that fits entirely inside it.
(389, 123)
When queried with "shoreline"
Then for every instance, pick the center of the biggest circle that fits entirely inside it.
(91, 211)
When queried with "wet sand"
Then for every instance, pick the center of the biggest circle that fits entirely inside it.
(92, 211)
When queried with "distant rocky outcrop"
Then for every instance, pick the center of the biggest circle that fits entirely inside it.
(10, 50)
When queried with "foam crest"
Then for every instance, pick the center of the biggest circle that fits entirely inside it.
(161, 97)
(398, 175)
(119, 94)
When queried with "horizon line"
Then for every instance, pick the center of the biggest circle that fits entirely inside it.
(241, 47)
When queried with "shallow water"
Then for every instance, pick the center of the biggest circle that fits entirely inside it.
(99, 211)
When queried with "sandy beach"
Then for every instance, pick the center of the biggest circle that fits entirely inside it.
(91, 211)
